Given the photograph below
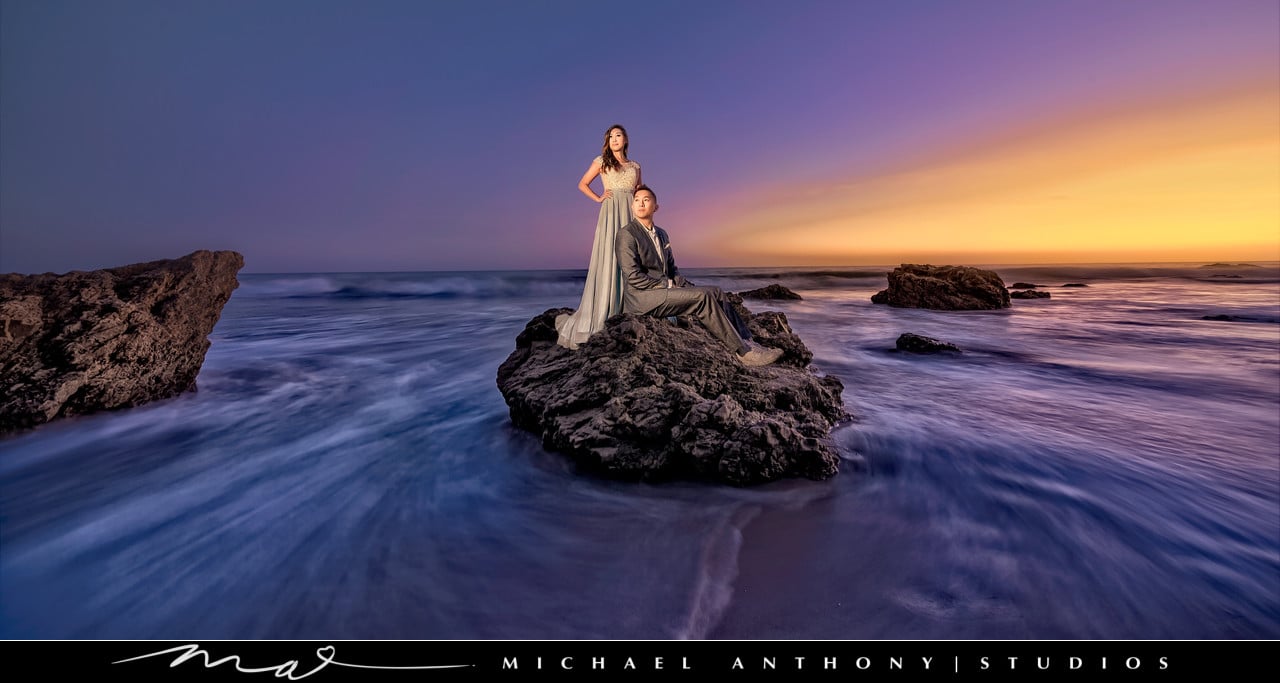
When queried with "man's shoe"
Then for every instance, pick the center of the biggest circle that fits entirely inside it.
(760, 356)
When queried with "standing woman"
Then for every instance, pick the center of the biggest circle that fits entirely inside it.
(602, 297)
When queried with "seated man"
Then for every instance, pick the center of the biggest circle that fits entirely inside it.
(653, 285)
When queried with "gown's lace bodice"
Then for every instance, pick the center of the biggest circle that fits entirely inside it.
(623, 180)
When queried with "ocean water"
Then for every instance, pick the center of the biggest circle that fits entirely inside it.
(1102, 464)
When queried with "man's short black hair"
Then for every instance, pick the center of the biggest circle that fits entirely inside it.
(648, 189)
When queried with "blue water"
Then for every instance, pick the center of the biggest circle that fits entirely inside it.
(1103, 464)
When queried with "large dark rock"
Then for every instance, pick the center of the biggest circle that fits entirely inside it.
(944, 288)
(1028, 294)
(105, 339)
(775, 292)
(646, 399)
(918, 343)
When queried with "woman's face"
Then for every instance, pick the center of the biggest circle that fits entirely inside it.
(617, 139)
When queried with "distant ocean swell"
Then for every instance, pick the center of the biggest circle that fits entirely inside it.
(568, 283)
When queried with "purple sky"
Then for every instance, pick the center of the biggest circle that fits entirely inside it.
(346, 136)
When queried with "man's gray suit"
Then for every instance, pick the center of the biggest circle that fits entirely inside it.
(646, 272)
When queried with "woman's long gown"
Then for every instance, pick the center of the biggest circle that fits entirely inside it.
(602, 296)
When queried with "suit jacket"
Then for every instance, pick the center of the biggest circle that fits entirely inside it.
(645, 272)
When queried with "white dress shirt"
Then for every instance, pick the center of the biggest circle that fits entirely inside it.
(657, 244)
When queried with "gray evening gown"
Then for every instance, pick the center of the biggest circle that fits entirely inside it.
(602, 296)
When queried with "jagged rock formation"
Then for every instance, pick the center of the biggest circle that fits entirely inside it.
(774, 292)
(918, 343)
(944, 288)
(88, 341)
(648, 399)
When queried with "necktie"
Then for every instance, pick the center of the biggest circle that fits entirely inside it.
(657, 244)
(662, 257)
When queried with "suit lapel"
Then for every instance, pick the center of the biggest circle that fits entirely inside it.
(665, 247)
(642, 236)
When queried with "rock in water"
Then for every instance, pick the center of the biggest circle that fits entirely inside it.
(88, 341)
(646, 399)
(1022, 285)
(944, 288)
(776, 292)
(1029, 294)
(918, 343)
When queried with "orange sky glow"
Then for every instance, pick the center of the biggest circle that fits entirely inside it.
(1174, 178)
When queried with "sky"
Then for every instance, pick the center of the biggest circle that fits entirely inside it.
(322, 136)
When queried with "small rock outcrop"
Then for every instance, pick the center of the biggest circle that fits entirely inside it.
(84, 342)
(1075, 284)
(1022, 285)
(648, 399)
(1028, 294)
(918, 343)
(944, 288)
(772, 292)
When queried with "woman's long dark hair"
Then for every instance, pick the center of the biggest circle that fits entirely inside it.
(607, 161)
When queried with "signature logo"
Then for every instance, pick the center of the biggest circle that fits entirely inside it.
(286, 670)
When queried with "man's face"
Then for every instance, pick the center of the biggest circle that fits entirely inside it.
(644, 205)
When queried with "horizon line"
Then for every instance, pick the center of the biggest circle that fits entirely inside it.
(797, 267)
